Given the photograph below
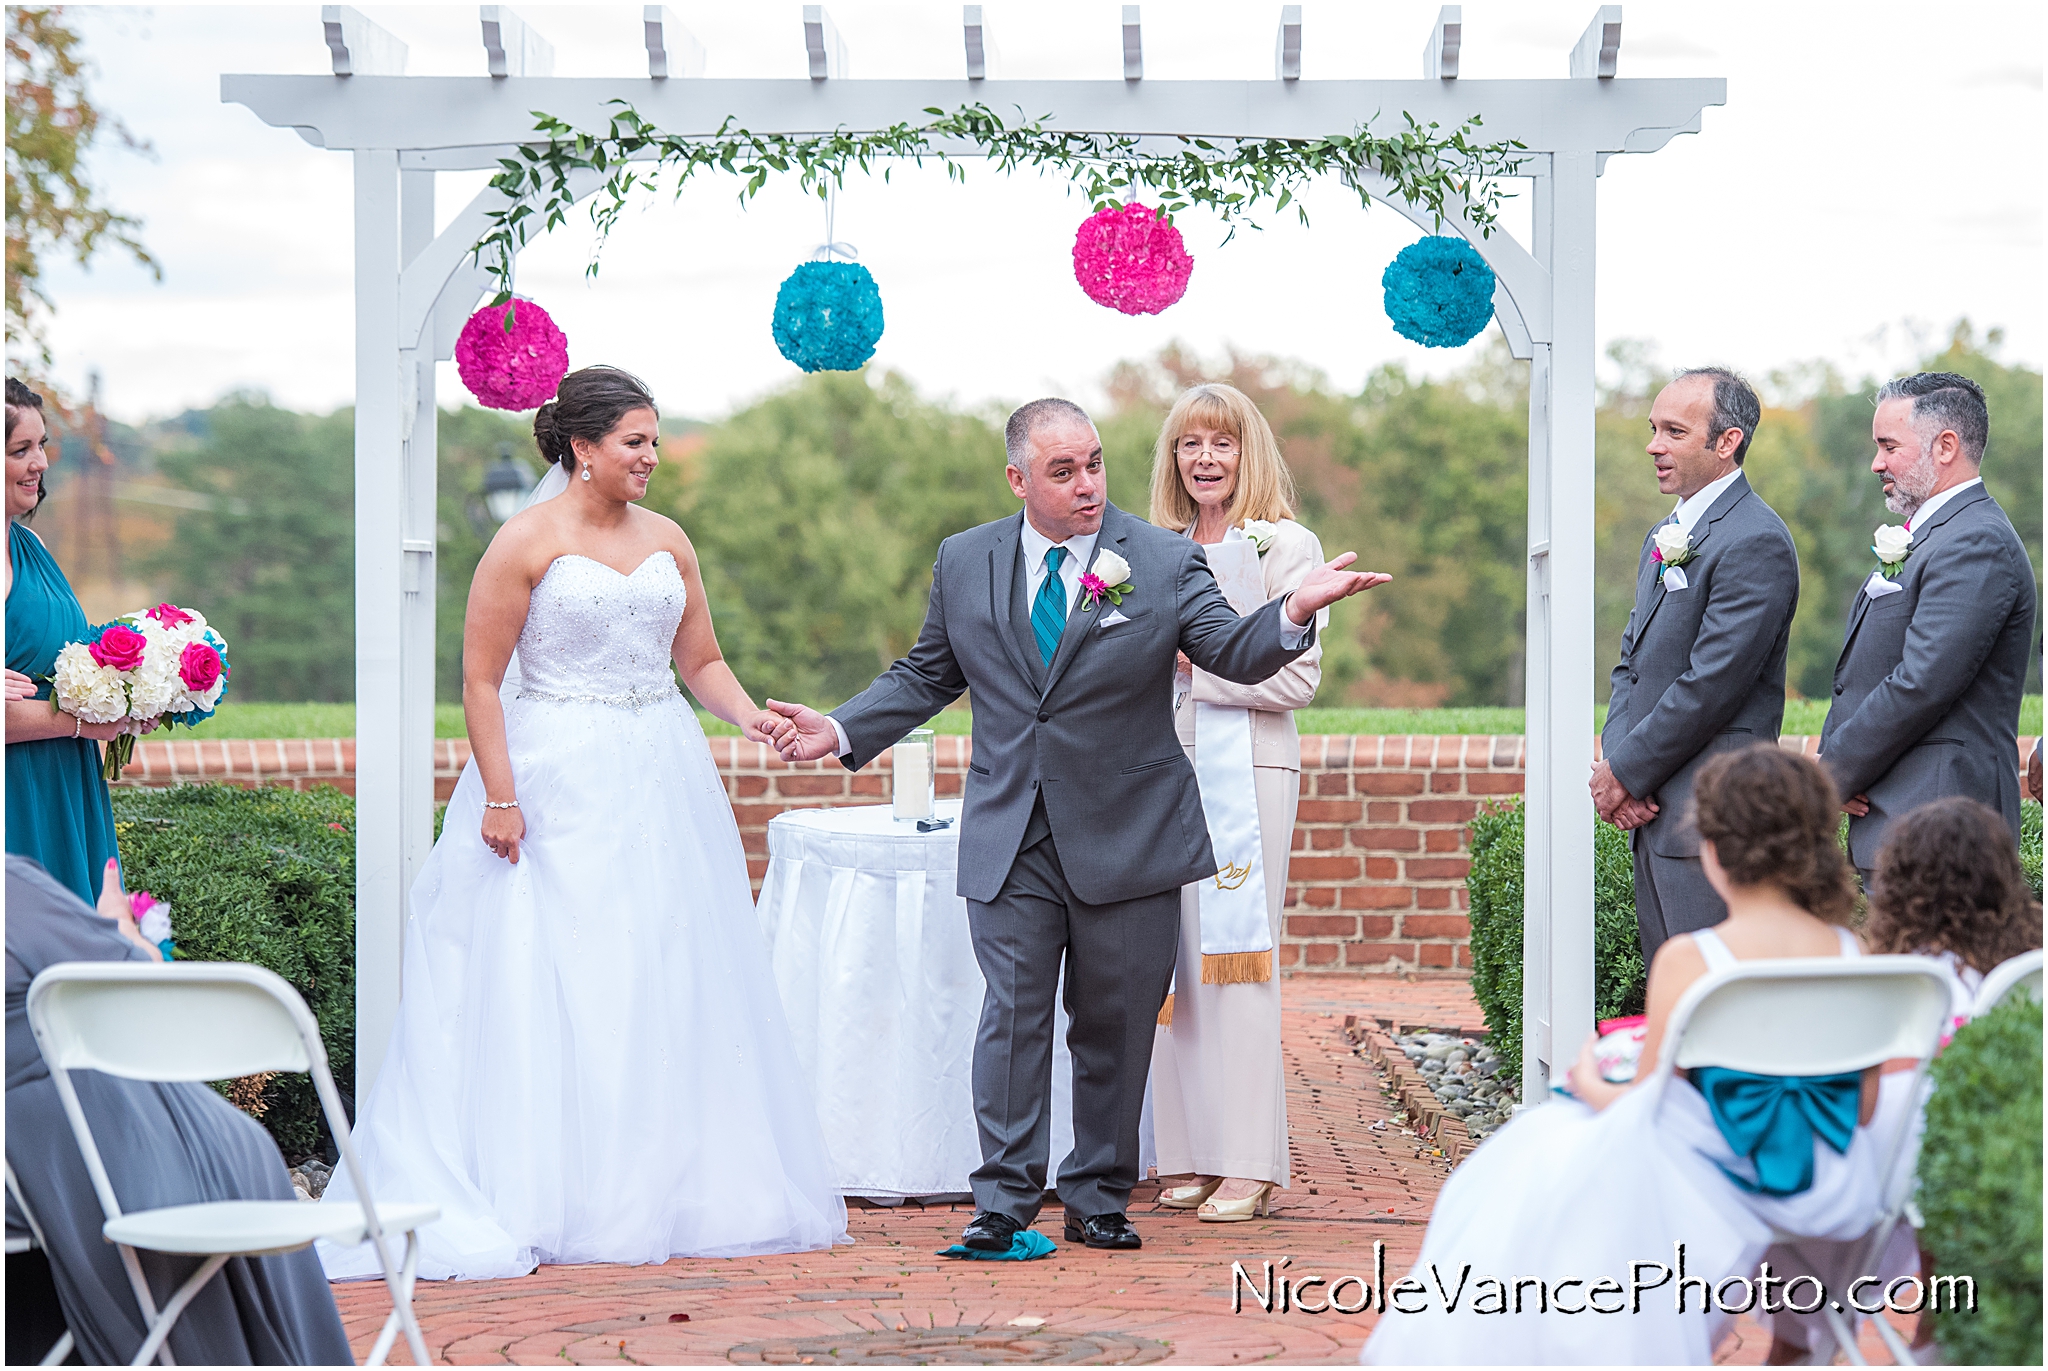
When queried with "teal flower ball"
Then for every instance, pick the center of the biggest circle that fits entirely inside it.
(1439, 292)
(828, 316)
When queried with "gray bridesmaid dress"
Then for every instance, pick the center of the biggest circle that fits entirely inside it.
(163, 1144)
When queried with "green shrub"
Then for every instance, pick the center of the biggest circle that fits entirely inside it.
(2030, 843)
(264, 876)
(1495, 888)
(1980, 1184)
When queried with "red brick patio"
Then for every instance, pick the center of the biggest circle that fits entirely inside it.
(1358, 1178)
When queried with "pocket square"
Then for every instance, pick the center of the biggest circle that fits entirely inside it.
(1674, 578)
(1113, 618)
(1877, 587)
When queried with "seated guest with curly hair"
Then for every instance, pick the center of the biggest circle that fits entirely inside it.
(1574, 1191)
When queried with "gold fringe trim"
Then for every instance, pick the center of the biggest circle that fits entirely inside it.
(1166, 1012)
(1236, 968)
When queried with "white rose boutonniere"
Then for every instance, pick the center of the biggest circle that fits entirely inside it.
(1110, 576)
(1892, 544)
(1674, 546)
(1259, 533)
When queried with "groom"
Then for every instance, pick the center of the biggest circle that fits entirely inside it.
(1082, 820)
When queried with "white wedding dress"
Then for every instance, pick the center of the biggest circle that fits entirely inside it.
(591, 1063)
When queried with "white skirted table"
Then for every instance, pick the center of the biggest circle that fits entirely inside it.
(878, 979)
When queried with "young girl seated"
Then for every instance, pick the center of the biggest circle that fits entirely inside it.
(1949, 886)
(1604, 1187)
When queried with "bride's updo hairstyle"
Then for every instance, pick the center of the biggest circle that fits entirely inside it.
(588, 405)
(1772, 816)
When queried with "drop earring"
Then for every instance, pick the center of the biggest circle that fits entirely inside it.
(586, 471)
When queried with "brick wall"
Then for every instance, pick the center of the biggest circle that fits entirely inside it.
(1376, 880)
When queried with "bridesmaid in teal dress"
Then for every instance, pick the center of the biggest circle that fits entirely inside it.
(58, 811)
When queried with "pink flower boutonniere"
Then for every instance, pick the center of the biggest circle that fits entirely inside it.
(1108, 577)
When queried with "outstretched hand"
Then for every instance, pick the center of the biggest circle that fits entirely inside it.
(800, 734)
(1328, 584)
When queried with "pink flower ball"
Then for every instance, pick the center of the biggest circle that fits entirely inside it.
(119, 647)
(199, 666)
(517, 370)
(1131, 260)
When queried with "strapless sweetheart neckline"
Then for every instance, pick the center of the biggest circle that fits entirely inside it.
(622, 575)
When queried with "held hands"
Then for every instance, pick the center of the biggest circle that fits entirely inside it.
(1613, 803)
(1856, 805)
(800, 733)
(1328, 584)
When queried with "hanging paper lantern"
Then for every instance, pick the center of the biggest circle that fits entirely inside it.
(1131, 259)
(1439, 292)
(519, 368)
(828, 316)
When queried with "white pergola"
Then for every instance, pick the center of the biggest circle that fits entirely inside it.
(415, 288)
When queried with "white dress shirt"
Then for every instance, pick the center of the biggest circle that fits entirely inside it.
(1079, 549)
(1935, 502)
(1694, 507)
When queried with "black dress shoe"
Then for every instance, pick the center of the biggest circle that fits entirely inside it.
(1103, 1230)
(990, 1232)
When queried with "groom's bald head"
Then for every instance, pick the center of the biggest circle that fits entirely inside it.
(1028, 420)
(1056, 467)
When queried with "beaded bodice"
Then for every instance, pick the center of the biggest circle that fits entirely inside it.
(595, 636)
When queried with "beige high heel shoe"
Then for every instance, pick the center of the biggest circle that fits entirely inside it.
(1188, 1196)
(1254, 1205)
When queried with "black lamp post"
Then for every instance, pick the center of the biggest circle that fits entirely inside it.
(506, 484)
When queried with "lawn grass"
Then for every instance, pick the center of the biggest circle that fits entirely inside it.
(1802, 717)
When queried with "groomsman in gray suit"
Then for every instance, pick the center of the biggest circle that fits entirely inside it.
(1702, 667)
(1927, 691)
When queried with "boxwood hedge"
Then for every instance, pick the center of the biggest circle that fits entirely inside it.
(264, 876)
(1980, 1185)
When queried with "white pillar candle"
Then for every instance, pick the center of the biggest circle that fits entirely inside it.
(912, 793)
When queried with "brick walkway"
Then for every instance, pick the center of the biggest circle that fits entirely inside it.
(1358, 1179)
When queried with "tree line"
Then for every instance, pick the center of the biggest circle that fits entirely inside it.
(816, 512)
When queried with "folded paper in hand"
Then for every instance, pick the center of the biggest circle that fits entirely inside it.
(1877, 587)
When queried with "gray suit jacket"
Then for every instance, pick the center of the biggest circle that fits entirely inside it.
(1702, 669)
(1927, 691)
(1094, 732)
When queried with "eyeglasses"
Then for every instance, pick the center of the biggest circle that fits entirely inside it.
(1222, 447)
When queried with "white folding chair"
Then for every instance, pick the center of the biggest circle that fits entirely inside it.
(209, 1021)
(1822, 1016)
(62, 1348)
(2015, 973)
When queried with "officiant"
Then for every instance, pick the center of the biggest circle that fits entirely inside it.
(1219, 1095)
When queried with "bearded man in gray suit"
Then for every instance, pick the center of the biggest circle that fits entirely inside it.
(1082, 819)
(1702, 667)
(1927, 690)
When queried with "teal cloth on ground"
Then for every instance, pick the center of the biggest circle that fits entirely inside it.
(1773, 1121)
(57, 806)
(1049, 607)
(1028, 1245)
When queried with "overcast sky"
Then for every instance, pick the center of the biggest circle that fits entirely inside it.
(1874, 175)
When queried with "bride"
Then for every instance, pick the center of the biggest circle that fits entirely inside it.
(591, 1062)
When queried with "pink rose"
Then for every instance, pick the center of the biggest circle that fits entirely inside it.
(169, 615)
(119, 647)
(141, 902)
(199, 666)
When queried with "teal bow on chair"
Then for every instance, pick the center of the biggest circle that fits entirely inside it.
(1773, 1120)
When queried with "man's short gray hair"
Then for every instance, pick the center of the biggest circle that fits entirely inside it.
(1735, 406)
(1026, 420)
(1944, 400)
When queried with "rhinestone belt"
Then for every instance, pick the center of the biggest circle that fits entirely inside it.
(635, 700)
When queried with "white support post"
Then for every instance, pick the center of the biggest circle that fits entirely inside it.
(823, 47)
(672, 50)
(1564, 902)
(981, 54)
(1134, 45)
(1539, 759)
(1287, 45)
(511, 48)
(1446, 37)
(381, 846)
(418, 480)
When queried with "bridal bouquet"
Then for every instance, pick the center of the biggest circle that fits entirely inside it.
(158, 666)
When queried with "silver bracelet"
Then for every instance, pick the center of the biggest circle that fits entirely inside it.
(508, 804)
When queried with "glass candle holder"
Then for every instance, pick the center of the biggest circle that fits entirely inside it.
(914, 775)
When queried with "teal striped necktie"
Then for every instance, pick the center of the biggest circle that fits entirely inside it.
(1049, 606)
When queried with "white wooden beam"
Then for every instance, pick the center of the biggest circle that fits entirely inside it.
(1599, 45)
(823, 46)
(358, 46)
(1440, 53)
(1134, 45)
(1287, 45)
(981, 49)
(511, 47)
(672, 50)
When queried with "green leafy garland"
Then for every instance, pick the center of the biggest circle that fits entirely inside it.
(1231, 176)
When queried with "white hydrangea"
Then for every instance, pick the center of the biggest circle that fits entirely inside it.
(87, 690)
(156, 687)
